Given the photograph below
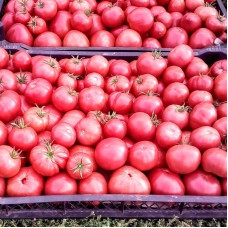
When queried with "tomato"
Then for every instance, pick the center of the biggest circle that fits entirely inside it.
(97, 25)
(205, 138)
(47, 39)
(75, 66)
(4, 58)
(218, 67)
(54, 116)
(8, 80)
(140, 3)
(201, 82)
(116, 31)
(165, 182)
(156, 10)
(7, 20)
(222, 110)
(79, 166)
(161, 88)
(46, 9)
(203, 114)
(3, 133)
(28, 5)
(221, 126)
(176, 6)
(75, 38)
(202, 38)
(120, 67)
(173, 74)
(175, 93)
(94, 184)
(10, 105)
(117, 83)
(24, 105)
(216, 24)
(151, 42)
(176, 18)
(38, 91)
(60, 184)
(21, 16)
(10, 161)
(128, 180)
(65, 98)
(165, 18)
(61, 23)
(102, 38)
(192, 5)
(81, 20)
(128, 38)
(22, 137)
(2, 187)
(196, 67)
(94, 79)
(200, 183)
(181, 56)
(27, 182)
(214, 161)
(73, 117)
(43, 137)
(22, 61)
(143, 155)
(47, 159)
(149, 104)
(115, 128)
(174, 37)
(158, 30)
(220, 87)
(224, 186)
(97, 64)
(67, 79)
(93, 4)
(111, 153)
(151, 63)
(62, 4)
(79, 5)
(64, 134)
(190, 22)
(140, 19)
(101, 6)
(113, 16)
(199, 96)
(37, 25)
(206, 11)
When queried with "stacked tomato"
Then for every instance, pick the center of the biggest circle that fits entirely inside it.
(93, 126)
(109, 23)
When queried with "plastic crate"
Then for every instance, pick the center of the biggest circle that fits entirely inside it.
(219, 5)
(118, 206)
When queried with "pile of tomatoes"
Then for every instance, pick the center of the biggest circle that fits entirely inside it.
(109, 23)
(98, 126)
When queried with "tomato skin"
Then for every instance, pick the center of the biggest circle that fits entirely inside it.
(116, 31)
(54, 116)
(222, 110)
(158, 30)
(221, 126)
(26, 183)
(60, 184)
(24, 105)
(10, 105)
(128, 180)
(173, 74)
(62, 4)
(214, 160)
(79, 166)
(8, 80)
(10, 162)
(128, 38)
(218, 68)
(199, 96)
(79, 5)
(113, 148)
(200, 183)
(224, 186)
(22, 61)
(142, 121)
(115, 128)
(75, 66)
(174, 37)
(190, 22)
(185, 138)
(176, 6)
(2, 187)
(39, 91)
(176, 18)
(63, 134)
(220, 87)
(203, 114)
(143, 155)
(205, 138)
(43, 137)
(65, 98)
(206, 11)
(37, 25)
(202, 82)
(165, 182)
(151, 42)
(91, 99)
(47, 159)
(156, 10)
(7, 20)
(47, 39)
(120, 67)
(175, 93)
(165, 18)
(75, 38)
(4, 58)
(72, 117)
(102, 38)
(18, 33)
(140, 19)
(183, 159)
(97, 25)
(140, 3)
(67, 79)
(94, 184)
(192, 5)
(3, 133)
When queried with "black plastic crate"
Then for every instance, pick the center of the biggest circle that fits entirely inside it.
(115, 206)
(219, 5)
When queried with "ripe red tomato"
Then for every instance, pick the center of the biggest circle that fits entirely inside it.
(67, 79)
(128, 38)
(206, 11)
(205, 138)
(220, 87)
(221, 126)
(200, 183)
(38, 91)
(192, 5)
(151, 42)
(128, 180)
(115, 128)
(2, 187)
(140, 3)
(43, 137)
(214, 161)
(158, 30)
(199, 96)
(176, 6)
(111, 153)
(218, 68)
(7, 20)
(37, 25)
(22, 16)
(190, 22)
(24, 105)
(63, 134)
(117, 83)
(75, 38)
(47, 39)
(216, 24)
(156, 10)
(79, 166)
(75, 66)
(94, 184)
(203, 114)
(120, 67)
(8, 80)
(48, 163)
(173, 74)
(97, 25)
(165, 182)
(143, 155)
(116, 31)
(3, 133)
(142, 127)
(4, 58)
(10, 161)
(28, 5)
(62, 4)
(81, 20)
(91, 99)
(176, 18)
(72, 117)
(27, 182)
(22, 61)
(79, 5)
(222, 110)
(60, 184)
(54, 116)
(102, 38)
(175, 93)
(165, 18)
